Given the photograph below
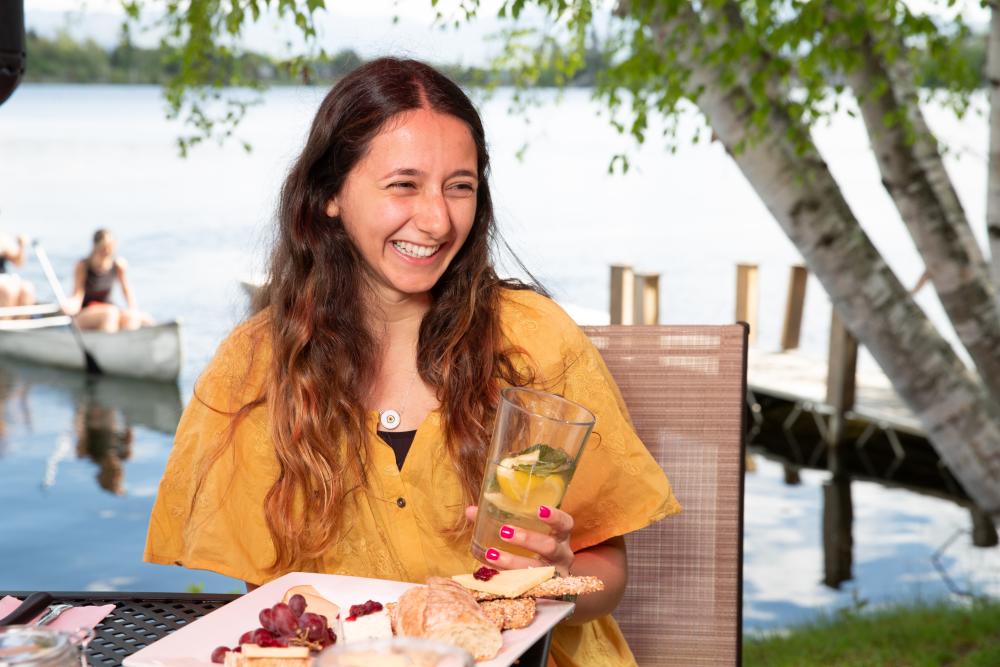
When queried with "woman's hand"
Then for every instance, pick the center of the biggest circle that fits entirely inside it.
(552, 549)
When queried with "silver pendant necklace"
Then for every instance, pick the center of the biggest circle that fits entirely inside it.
(389, 419)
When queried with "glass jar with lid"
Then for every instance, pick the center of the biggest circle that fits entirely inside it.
(27, 646)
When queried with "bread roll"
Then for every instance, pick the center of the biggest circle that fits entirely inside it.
(445, 611)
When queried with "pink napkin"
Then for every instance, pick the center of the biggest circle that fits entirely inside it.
(68, 621)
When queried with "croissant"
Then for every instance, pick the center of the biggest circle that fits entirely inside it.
(444, 610)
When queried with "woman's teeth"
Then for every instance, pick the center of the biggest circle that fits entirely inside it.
(415, 250)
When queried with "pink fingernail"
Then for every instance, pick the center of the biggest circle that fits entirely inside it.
(506, 532)
(492, 554)
(544, 512)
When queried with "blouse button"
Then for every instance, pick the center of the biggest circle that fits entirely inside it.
(401, 502)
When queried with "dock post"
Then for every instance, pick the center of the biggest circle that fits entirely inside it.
(842, 364)
(622, 294)
(792, 326)
(984, 533)
(647, 298)
(838, 534)
(747, 297)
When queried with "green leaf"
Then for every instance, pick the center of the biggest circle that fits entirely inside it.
(550, 460)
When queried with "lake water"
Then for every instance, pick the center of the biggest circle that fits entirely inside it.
(80, 463)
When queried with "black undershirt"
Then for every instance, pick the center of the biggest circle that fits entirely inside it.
(400, 442)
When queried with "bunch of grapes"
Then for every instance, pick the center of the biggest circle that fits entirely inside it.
(285, 625)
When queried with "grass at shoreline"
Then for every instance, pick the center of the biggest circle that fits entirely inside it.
(930, 634)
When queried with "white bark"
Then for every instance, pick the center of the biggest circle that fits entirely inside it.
(993, 180)
(961, 418)
(914, 175)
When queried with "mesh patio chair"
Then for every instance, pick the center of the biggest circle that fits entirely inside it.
(685, 388)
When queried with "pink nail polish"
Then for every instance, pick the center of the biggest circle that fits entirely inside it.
(544, 512)
(492, 554)
(506, 532)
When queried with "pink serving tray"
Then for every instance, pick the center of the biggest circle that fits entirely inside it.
(192, 645)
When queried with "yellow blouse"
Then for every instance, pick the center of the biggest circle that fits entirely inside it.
(392, 529)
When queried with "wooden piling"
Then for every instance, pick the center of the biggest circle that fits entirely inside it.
(622, 294)
(647, 299)
(842, 366)
(794, 306)
(838, 538)
(984, 532)
(747, 297)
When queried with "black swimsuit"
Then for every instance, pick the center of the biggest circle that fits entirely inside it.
(97, 286)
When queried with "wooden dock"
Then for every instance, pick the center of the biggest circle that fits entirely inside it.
(796, 378)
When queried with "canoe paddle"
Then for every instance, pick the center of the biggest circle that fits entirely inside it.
(50, 275)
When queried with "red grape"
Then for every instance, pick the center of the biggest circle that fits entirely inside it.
(330, 639)
(297, 603)
(266, 617)
(314, 625)
(262, 637)
(246, 637)
(219, 654)
(283, 620)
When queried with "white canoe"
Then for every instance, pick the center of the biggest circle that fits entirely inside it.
(152, 353)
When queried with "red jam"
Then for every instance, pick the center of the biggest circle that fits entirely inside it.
(364, 609)
(484, 573)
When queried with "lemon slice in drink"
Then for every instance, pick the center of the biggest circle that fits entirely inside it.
(530, 491)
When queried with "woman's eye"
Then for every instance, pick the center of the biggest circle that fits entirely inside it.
(403, 185)
(468, 187)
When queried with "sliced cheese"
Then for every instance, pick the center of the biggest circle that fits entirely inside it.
(315, 603)
(508, 583)
(254, 651)
(271, 656)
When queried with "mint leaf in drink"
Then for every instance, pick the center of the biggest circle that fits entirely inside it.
(549, 460)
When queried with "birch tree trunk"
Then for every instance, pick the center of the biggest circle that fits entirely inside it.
(914, 175)
(993, 171)
(960, 416)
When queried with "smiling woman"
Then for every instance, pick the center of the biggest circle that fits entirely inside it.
(383, 300)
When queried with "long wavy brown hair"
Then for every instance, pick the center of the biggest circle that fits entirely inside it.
(324, 353)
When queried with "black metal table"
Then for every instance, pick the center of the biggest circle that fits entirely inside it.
(139, 619)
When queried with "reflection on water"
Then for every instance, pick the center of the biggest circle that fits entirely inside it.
(154, 405)
(105, 410)
(80, 459)
(877, 519)
(103, 437)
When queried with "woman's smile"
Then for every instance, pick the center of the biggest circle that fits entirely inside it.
(416, 251)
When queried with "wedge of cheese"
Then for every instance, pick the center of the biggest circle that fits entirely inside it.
(259, 656)
(315, 603)
(508, 583)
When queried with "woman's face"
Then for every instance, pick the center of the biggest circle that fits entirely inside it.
(409, 204)
(105, 249)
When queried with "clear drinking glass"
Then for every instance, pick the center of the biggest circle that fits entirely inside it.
(537, 440)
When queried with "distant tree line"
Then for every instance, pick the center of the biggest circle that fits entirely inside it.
(63, 59)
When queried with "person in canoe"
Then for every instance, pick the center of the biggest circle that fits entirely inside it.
(344, 427)
(94, 279)
(14, 290)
